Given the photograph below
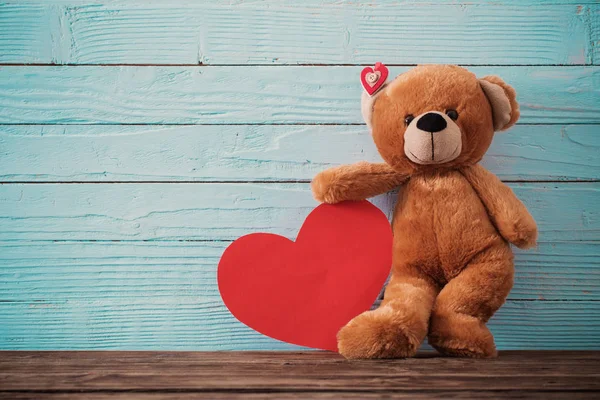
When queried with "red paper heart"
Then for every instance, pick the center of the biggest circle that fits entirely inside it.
(380, 71)
(303, 292)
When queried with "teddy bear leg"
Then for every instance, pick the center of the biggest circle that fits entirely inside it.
(467, 302)
(398, 327)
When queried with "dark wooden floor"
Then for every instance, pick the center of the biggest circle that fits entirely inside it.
(252, 375)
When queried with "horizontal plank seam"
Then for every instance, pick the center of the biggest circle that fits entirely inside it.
(509, 299)
(269, 65)
(585, 241)
(256, 124)
(205, 182)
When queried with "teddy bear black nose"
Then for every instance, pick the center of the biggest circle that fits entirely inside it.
(431, 122)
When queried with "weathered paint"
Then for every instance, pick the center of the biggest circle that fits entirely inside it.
(292, 32)
(60, 271)
(92, 153)
(110, 234)
(257, 95)
(225, 211)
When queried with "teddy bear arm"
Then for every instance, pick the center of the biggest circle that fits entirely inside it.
(507, 212)
(355, 182)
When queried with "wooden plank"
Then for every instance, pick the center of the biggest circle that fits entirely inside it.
(257, 95)
(313, 32)
(49, 272)
(593, 16)
(421, 394)
(28, 360)
(23, 39)
(209, 211)
(199, 322)
(310, 372)
(60, 153)
(64, 362)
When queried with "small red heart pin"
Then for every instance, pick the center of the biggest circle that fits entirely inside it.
(303, 292)
(373, 78)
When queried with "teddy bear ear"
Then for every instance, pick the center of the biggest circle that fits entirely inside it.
(503, 99)
(366, 105)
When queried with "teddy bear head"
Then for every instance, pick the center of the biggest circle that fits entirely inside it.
(438, 116)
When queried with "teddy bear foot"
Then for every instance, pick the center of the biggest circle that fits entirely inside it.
(375, 334)
(462, 340)
(465, 351)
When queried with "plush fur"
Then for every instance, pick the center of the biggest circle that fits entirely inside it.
(452, 263)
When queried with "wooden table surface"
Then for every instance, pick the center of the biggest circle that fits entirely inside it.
(188, 375)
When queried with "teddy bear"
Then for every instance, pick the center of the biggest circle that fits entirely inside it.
(453, 221)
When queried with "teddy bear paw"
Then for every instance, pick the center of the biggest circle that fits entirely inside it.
(524, 235)
(373, 334)
(321, 187)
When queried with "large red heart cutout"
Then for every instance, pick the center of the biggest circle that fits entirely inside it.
(303, 292)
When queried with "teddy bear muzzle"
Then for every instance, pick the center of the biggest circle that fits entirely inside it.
(432, 138)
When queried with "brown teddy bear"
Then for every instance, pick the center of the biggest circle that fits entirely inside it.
(453, 221)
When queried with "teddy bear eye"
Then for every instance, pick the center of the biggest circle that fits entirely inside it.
(408, 119)
(452, 114)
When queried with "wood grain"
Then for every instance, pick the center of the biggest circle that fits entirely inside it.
(23, 39)
(256, 95)
(163, 295)
(308, 374)
(67, 153)
(56, 272)
(197, 322)
(191, 319)
(310, 32)
(208, 211)
(593, 16)
(28, 361)
(400, 394)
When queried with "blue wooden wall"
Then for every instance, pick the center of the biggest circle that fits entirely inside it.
(138, 138)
